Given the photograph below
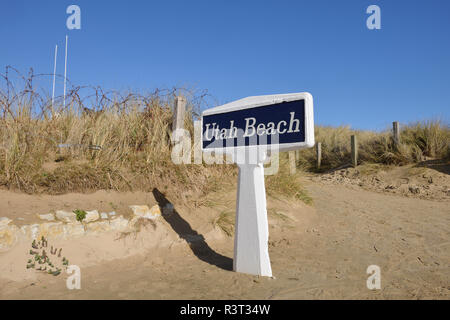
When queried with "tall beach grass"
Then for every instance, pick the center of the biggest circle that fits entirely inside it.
(107, 140)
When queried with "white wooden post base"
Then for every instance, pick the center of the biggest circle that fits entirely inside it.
(251, 252)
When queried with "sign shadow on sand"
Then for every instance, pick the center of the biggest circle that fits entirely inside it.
(195, 240)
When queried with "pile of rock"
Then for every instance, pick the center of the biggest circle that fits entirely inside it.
(64, 224)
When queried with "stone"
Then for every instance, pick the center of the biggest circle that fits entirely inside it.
(51, 230)
(66, 216)
(9, 235)
(155, 212)
(30, 231)
(119, 224)
(4, 221)
(414, 189)
(145, 212)
(98, 227)
(91, 216)
(104, 215)
(48, 217)
(113, 213)
(140, 210)
(73, 229)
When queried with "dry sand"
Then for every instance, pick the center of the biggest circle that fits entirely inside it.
(427, 180)
(317, 252)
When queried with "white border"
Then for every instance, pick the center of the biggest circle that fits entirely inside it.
(263, 101)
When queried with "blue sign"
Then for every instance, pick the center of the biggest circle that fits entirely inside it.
(256, 126)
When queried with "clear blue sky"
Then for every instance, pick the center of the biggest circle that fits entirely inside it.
(364, 78)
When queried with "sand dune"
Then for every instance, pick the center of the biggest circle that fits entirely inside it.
(320, 251)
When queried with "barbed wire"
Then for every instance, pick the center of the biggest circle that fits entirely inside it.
(84, 98)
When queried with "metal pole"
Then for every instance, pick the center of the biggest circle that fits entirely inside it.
(54, 78)
(65, 74)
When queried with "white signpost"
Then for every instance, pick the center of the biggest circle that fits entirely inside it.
(248, 130)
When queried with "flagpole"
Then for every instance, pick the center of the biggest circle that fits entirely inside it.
(65, 74)
(54, 77)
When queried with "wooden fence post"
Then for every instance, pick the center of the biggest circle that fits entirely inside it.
(354, 143)
(178, 113)
(319, 154)
(292, 161)
(396, 131)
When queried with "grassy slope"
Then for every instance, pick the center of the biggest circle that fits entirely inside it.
(134, 135)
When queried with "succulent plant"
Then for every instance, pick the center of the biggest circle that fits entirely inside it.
(43, 259)
(44, 241)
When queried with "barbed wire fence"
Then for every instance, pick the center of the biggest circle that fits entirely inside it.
(21, 96)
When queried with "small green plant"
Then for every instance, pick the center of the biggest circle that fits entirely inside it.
(81, 214)
(57, 272)
(44, 242)
(40, 261)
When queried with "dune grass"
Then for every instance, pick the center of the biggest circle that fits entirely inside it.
(123, 143)
(225, 221)
(419, 141)
(118, 142)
